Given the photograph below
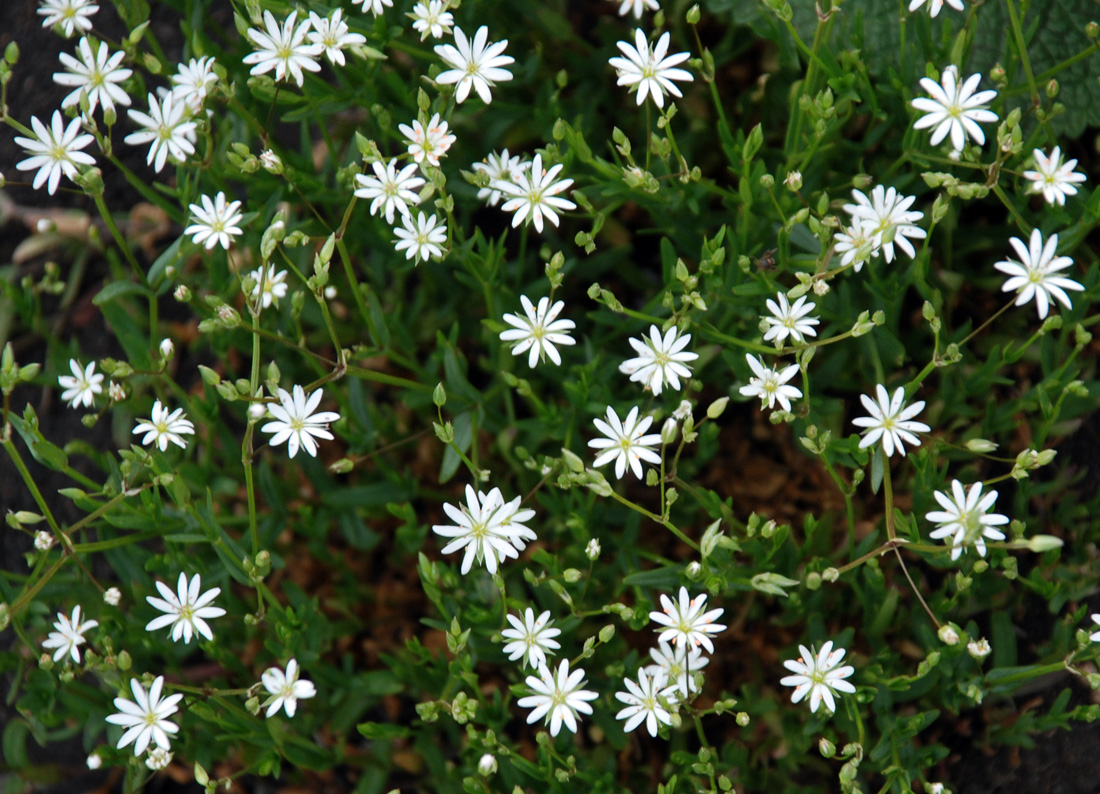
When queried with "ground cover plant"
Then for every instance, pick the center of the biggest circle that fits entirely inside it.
(497, 396)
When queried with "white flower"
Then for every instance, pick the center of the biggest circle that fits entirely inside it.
(659, 360)
(685, 621)
(474, 64)
(539, 331)
(284, 50)
(95, 75)
(557, 696)
(771, 384)
(389, 188)
(531, 638)
(54, 150)
(1053, 178)
(296, 423)
(789, 320)
(215, 221)
(271, 162)
(69, 635)
(818, 676)
(146, 716)
(333, 34)
(625, 442)
(647, 701)
(858, 243)
(72, 15)
(427, 143)
(648, 70)
(954, 108)
(535, 192)
(890, 420)
(487, 764)
(679, 663)
(979, 649)
(274, 286)
(112, 595)
(966, 519)
(489, 529)
(683, 410)
(886, 210)
(636, 7)
(193, 81)
(165, 129)
(167, 348)
(374, 6)
(43, 540)
(285, 689)
(82, 386)
(422, 238)
(936, 5)
(158, 759)
(116, 391)
(1095, 636)
(592, 550)
(94, 761)
(186, 610)
(431, 18)
(1033, 276)
(163, 427)
(500, 168)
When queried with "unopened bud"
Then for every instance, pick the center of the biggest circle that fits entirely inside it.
(980, 445)
(668, 431)
(1043, 543)
(716, 408)
(112, 595)
(694, 570)
(826, 748)
(592, 550)
(182, 293)
(167, 349)
(257, 411)
(487, 765)
(948, 635)
(793, 181)
(271, 162)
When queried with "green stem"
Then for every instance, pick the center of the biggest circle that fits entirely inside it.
(120, 241)
(1021, 50)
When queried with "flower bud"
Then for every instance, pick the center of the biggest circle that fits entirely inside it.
(112, 595)
(182, 293)
(256, 411)
(742, 718)
(793, 181)
(487, 765)
(826, 748)
(694, 570)
(167, 349)
(693, 15)
(767, 181)
(980, 445)
(716, 408)
(592, 550)
(158, 759)
(1043, 543)
(821, 287)
(94, 761)
(271, 162)
(948, 635)
(668, 431)
(571, 575)
(683, 411)
(1092, 30)
(43, 540)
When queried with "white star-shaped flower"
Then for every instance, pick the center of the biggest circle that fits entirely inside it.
(95, 75)
(285, 689)
(474, 64)
(679, 663)
(535, 193)
(789, 320)
(427, 142)
(636, 7)
(274, 285)
(71, 15)
(389, 188)
(69, 635)
(936, 6)
(82, 386)
(660, 360)
(647, 701)
(558, 697)
(857, 243)
(499, 168)
(531, 638)
(770, 384)
(648, 70)
(333, 34)
(1053, 178)
(146, 716)
(890, 421)
(1095, 636)
(1033, 276)
(166, 129)
(186, 610)
(818, 676)
(374, 6)
(215, 222)
(954, 109)
(966, 519)
(420, 239)
(193, 82)
(296, 423)
(885, 210)
(685, 623)
(285, 50)
(55, 150)
(489, 529)
(163, 427)
(430, 18)
(625, 442)
(538, 331)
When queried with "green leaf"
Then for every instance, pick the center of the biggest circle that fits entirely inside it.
(377, 730)
(118, 288)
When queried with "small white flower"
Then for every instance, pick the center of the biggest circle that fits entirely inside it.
(271, 162)
(489, 529)
(789, 320)
(420, 239)
(954, 109)
(625, 442)
(296, 423)
(1053, 178)
(647, 701)
(116, 391)
(193, 81)
(648, 70)
(430, 18)
(771, 384)
(158, 759)
(69, 635)
(885, 210)
(82, 386)
(162, 427)
(531, 638)
(165, 129)
(966, 519)
(936, 5)
(857, 243)
(500, 168)
(43, 540)
(636, 7)
(333, 34)
(427, 142)
(274, 286)
(146, 716)
(374, 6)
(558, 697)
(474, 64)
(660, 360)
(487, 764)
(1095, 636)
(186, 610)
(592, 550)
(95, 75)
(54, 151)
(1033, 276)
(72, 15)
(389, 188)
(538, 331)
(679, 663)
(215, 222)
(685, 621)
(284, 50)
(534, 192)
(818, 676)
(979, 649)
(285, 689)
(94, 761)
(112, 595)
(683, 411)
(890, 421)
(167, 348)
